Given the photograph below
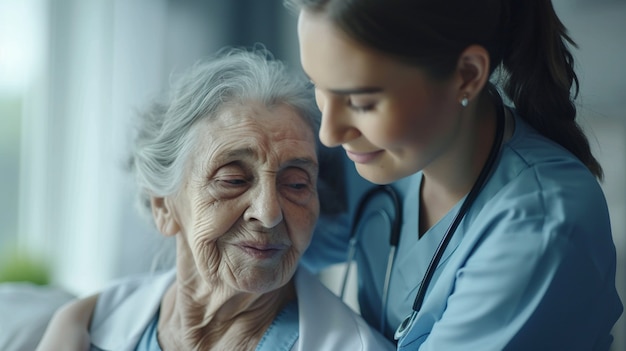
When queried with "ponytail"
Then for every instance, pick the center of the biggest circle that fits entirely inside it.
(541, 76)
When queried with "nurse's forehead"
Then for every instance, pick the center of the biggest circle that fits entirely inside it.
(337, 63)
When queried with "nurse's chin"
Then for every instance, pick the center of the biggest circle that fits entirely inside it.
(376, 173)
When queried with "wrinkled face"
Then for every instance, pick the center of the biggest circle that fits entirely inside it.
(391, 118)
(249, 205)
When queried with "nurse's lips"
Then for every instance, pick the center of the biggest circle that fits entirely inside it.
(363, 157)
(261, 251)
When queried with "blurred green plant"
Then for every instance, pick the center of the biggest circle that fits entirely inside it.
(18, 266)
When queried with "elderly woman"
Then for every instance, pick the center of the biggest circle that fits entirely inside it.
(228, 166)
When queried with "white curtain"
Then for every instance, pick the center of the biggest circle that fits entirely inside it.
(105, 58)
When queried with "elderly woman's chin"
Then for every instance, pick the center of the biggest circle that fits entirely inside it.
(264, 280)
(259, 272)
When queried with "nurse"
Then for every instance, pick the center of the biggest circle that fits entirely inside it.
(405, 88)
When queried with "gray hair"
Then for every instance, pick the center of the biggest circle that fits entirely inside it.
(164, 138)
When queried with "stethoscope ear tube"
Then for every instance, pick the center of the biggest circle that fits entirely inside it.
(394, 224)
(387, 190)
(346, 274)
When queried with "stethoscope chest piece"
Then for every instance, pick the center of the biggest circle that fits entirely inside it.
(405, 326)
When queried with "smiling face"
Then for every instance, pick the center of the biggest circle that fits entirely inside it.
(390, 117)
(249, 204)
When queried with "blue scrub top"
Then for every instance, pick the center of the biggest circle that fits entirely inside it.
(531, 266)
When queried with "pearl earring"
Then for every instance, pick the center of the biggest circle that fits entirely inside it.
(464, 101)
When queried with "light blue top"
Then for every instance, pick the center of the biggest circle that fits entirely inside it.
(149, 340)
(280, 336)
(283, 332)
(126, 313)
(531, 266)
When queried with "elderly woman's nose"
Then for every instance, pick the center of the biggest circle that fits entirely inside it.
(265, 207)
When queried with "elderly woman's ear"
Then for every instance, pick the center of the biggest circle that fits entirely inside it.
(164, 217)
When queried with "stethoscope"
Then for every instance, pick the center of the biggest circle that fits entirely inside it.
(393, 221)
(395, 225)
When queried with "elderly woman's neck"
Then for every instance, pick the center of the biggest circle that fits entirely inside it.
(218, 320)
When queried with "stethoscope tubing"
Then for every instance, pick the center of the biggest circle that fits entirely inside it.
(394, 239)
(390, 259)
(465, 206)
(485, 172)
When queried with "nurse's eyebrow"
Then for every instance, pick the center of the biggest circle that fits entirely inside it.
(350, 91)
(356, 91)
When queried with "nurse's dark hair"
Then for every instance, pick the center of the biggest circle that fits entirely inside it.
(165, 137)
(526, 41)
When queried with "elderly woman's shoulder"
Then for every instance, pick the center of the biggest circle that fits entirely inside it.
(326, 323)
(136, 286)
(126, 307)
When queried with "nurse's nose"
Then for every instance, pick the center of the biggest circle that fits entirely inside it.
(265, 207)
(336, 127)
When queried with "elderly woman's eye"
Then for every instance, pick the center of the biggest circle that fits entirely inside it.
(296, 185)
(297, 188)
(231, 176)
(234, 181)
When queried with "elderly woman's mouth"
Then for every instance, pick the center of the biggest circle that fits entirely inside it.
(262, 251)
